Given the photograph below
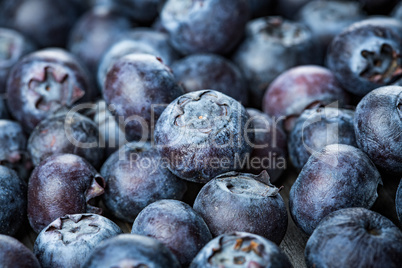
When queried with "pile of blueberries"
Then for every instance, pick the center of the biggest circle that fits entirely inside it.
(179, 117)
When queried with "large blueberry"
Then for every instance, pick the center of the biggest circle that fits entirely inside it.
(203, 134)
(338, 176)
(13, 201)
(68, 241)
(129, 250)
(243, 202)
(15, 254)
(355, 237)
(176, 225)
(137, 176)
(62, 184)
(378, 127)
(242, 250)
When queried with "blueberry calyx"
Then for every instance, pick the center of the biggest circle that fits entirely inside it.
(96, 189)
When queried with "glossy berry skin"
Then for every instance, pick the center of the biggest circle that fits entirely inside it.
(144, 11)
(338, 176)
(398, 202)
(269, 148)
(378, 127)
(299, 87)
(203, 134)
(316, 128)
(46, 22)
(355, 237)
(245, 203)
(192, 30)
(139, 86)
(271, 46)
(240, 249)
(326, 19)
(210, 71)
(62, 184)
(139, 40)
(129, 250)
(95, 32)
(366, 55)
(137, 176)
(69, 240)
(66, 134)
(13, 201)
(44, 82)
(176, 225)
(13, 46)
(15, 254)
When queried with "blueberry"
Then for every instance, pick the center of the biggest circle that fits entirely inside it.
(95, 32)
(139, 40)
(176, 225)
(62, 184)
(144, 11)
(13, 46)
(44, 82)
(66, 134)
(300, 87)
(365, 55)
(245, 203)
(214, 26)
(355, 237)
(271, 46)
(210, 71)
(398, 202)
(202, 134)
(139, 86)
(44, 21)
(68, 240)
(338, 176)
(15, 254)
(316, 128)
(378, 127)
(13, 201)
(129, 250)
(241, 249)
(269, 148)
(137, 176)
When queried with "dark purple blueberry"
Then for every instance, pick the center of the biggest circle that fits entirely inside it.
(355, 237)
(139, 40)
(136, 176)
(326, 19)
(69, 240)
(139, 86)
(243, 250)
(44, 82)
(13, 46)
(47, 22)
(66, 134)
(212, 26)
(290, 8)
(210, 71)
(176, 225)
(316, 128)
(298, 88)
(144, 11)
(269, 148)
(95, 32)
(378, 127)
(13, 202)
(245, 203)
(272, 45)
(367, 55)
(13, 152)
(203, 134)
(338, 176)
(129, 250)
(62, 184)
(398, 202)
(15, 254)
